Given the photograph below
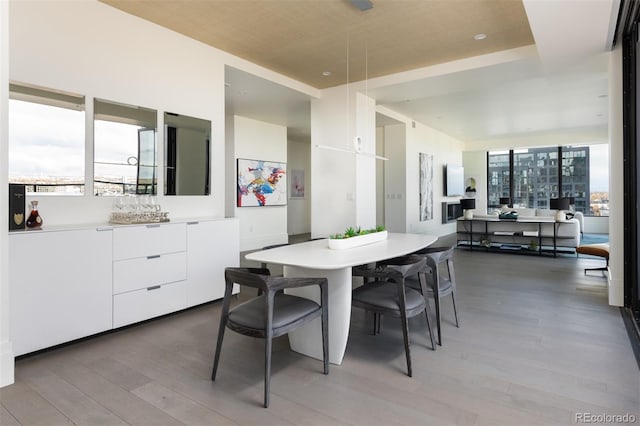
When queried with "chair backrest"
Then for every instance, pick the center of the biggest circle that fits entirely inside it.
(250, 277)
(402, 267)
(261, 279)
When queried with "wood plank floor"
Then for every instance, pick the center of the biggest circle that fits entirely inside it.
(537, 344)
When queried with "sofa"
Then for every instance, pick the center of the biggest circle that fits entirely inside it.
(533, 228)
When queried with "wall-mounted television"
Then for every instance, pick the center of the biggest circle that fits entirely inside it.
(453, 180)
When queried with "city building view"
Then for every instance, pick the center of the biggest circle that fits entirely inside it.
(531, 177)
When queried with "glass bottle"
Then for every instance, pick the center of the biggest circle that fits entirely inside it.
(34, 220)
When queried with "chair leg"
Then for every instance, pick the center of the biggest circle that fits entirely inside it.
(426, 314)
(436, 298)
(407, 350)
(267, 368)
(455, 311)
(325, 338)
(223, 326)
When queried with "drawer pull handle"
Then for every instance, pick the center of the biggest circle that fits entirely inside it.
(155, 256)
(104, 229)
(193, 223)
(153, 226)
(155, 287)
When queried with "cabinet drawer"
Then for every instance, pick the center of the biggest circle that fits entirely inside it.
(146, 240)
(143, 272)
(143, 304)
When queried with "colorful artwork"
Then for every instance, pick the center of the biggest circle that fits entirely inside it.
(297, 183)
(426, 187)
(261, 183)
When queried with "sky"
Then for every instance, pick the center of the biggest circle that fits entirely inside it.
(599, 168)
(49, 141)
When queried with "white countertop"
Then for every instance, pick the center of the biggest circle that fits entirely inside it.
(317, 255)
(108, 225)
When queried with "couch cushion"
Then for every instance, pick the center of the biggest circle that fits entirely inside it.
(526, 212)
(545, 212)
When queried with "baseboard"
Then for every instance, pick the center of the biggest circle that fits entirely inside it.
(7, 364)
(633, 330)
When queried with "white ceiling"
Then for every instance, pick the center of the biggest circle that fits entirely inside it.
(560, 84)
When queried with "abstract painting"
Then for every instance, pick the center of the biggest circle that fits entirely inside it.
(261, 183)
(426, 187)
(297, 183)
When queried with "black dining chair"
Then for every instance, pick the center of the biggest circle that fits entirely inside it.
(271, 314)
(441, 280)
(388, 295)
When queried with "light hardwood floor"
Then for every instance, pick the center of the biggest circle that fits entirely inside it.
(537, 344)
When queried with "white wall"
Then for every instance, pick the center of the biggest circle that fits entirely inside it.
(257, 140)
(333, 199)
(95, 50)
(365, 116)
(6, 350)
(445, 150)
(395, 148)
(299, 209)
(418, 138)
(380, 176)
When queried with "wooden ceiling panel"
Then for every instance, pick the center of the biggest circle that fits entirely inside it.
(303, 38)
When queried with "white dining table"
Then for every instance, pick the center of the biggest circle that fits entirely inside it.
(316, 259)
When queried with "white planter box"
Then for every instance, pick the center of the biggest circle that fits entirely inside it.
(360, 240)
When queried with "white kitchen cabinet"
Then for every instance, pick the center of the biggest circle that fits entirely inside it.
(60, 286)
(149, 271)
(68, 283)
(212, 246)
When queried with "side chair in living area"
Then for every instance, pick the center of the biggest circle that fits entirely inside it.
(439, 283)
(271, 314)
(388, 295)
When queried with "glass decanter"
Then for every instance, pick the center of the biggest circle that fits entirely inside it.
(34, 220)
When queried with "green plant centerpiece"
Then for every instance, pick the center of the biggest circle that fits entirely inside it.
(354, 237)
(353, 232)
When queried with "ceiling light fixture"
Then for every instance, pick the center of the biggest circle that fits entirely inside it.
(357, 149)
(326, 73)
(357, 141)
(480, 36)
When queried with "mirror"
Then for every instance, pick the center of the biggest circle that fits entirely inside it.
(124, 149)
(46, 140)
(187, 145)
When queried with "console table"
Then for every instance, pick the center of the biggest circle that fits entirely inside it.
(509, 235)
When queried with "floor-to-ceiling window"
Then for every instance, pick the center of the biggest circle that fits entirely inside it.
(531, 177)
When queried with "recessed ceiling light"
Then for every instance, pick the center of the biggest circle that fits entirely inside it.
(480, 36)
(326, 73)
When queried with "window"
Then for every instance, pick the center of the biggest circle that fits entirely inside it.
(498, 178)
(531, 177)
(46, 140)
